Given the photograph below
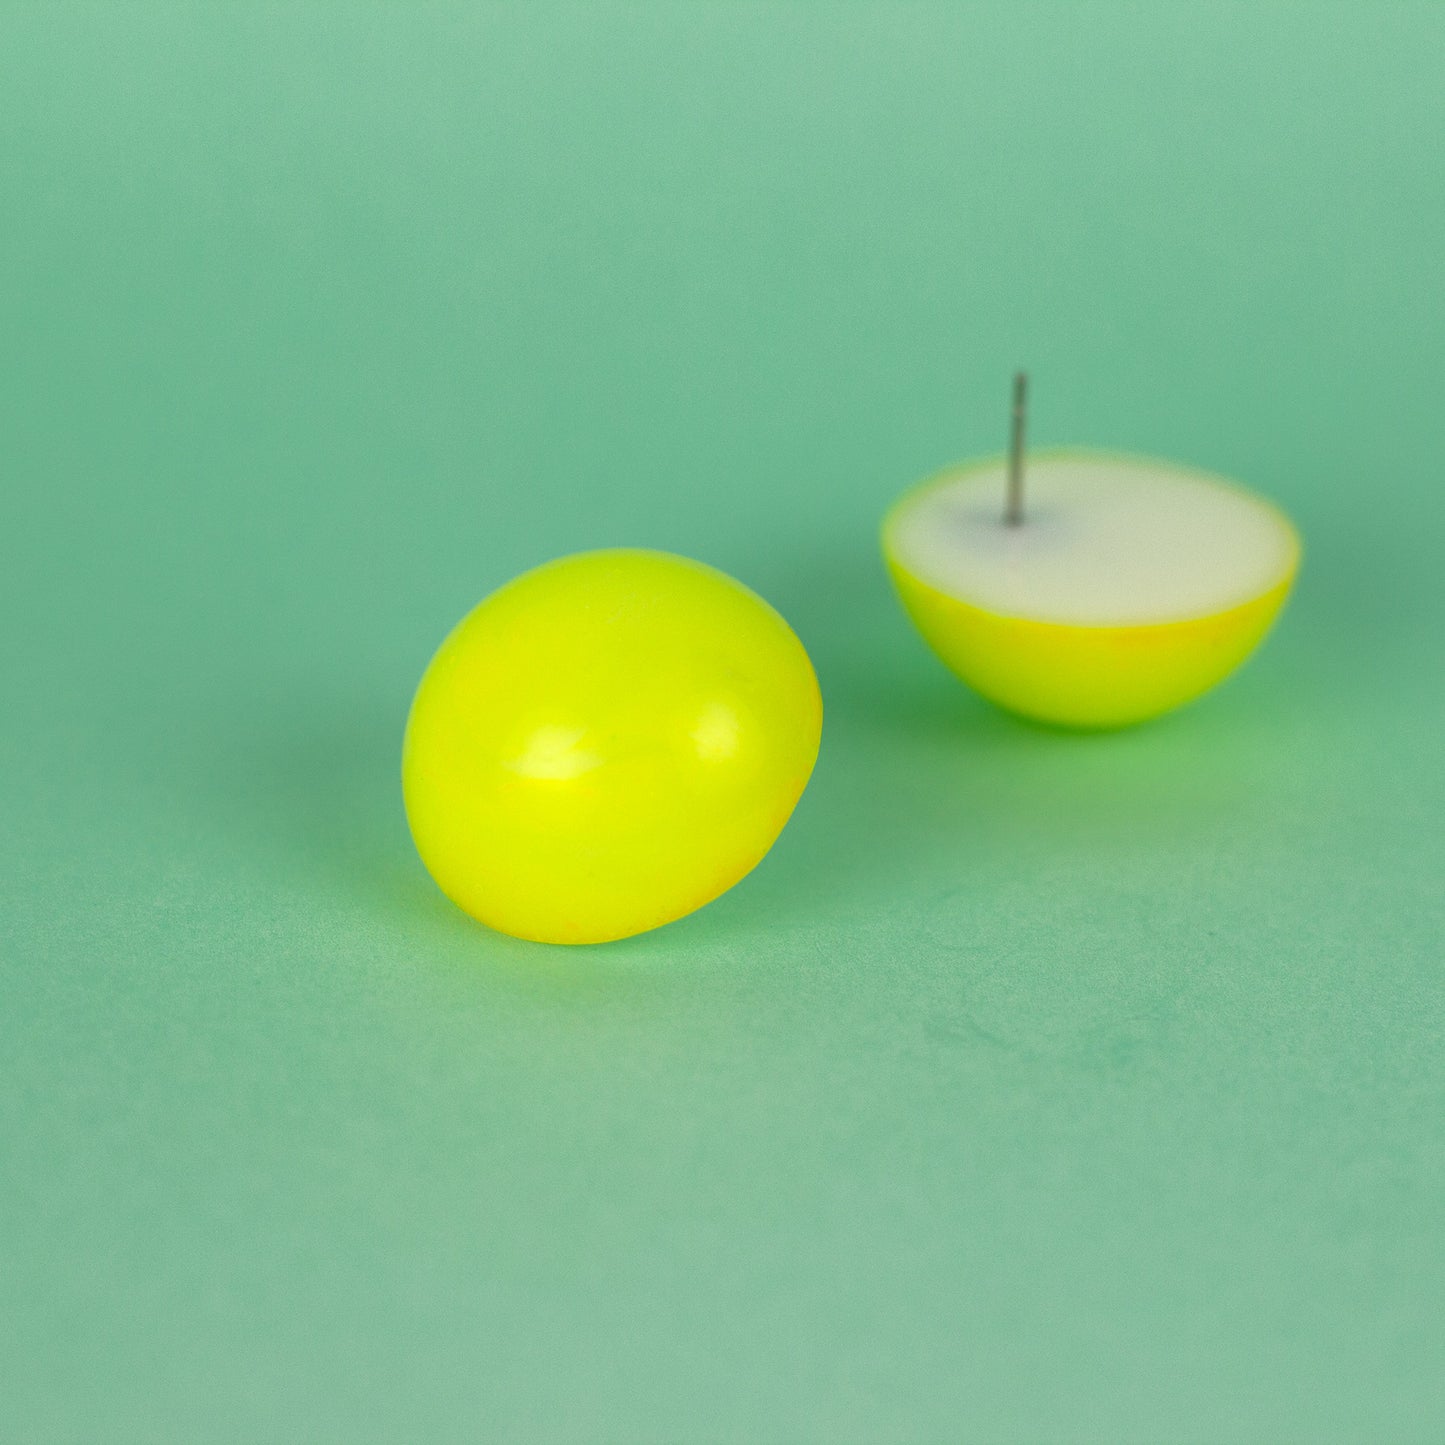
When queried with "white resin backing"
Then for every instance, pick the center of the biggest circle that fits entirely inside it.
(1105, 541)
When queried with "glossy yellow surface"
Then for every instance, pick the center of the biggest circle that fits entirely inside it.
(1085, 676)
(607, 743)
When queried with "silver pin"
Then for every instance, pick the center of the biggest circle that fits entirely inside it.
(1013, 512)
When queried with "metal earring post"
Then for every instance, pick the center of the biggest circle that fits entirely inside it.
(1013, 513)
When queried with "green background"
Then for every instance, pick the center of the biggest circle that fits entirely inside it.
(1037, 1087)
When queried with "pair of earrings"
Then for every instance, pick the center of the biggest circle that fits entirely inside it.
(613, 739)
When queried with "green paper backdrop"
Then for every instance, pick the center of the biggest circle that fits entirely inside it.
(1036, 1087)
